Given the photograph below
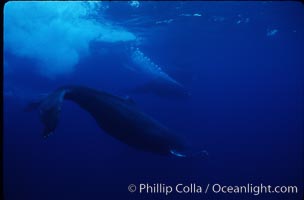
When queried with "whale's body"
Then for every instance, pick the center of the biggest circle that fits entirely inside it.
(117, 116)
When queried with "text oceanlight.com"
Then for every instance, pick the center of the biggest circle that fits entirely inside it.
(194, 188)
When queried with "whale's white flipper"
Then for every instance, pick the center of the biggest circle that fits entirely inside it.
(160, 82)
(175, 153)
(202, 153)
(144, 65)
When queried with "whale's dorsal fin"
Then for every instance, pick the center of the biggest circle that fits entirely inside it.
(125, 99)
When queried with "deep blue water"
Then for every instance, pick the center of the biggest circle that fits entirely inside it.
(241, 62)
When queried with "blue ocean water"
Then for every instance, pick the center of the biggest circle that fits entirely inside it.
(241, 63)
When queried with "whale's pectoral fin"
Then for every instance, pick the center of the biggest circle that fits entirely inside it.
(178, 154)
(49, 110)
(200, 153)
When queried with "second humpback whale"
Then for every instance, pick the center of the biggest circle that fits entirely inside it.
(117, 116)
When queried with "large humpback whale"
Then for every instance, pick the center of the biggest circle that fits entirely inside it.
(117, 116)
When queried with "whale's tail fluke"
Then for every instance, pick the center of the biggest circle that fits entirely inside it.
(49, 110)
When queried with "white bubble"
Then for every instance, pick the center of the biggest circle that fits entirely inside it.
(197, 15)
(272, 32)
(134, 4)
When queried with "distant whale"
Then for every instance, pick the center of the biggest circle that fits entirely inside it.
(117, 116)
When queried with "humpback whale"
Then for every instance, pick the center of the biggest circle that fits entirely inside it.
(117, 116)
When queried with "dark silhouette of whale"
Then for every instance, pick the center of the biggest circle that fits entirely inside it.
(117, 116)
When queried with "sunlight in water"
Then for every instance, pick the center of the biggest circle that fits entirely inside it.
(57, 34)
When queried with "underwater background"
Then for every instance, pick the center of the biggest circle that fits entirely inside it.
(240, 62)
